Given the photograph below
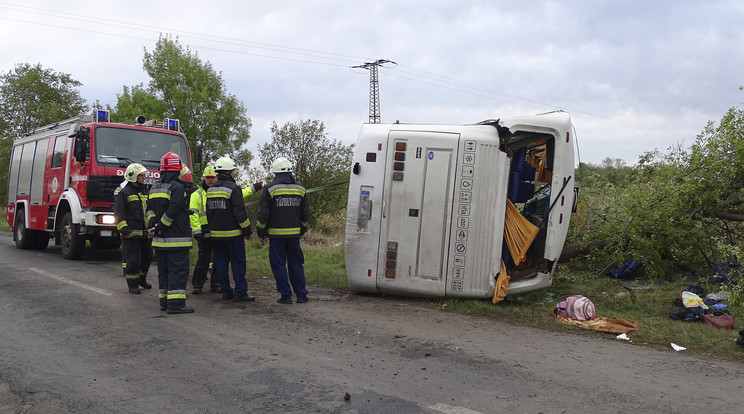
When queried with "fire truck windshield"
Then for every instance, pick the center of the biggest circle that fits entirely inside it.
(122, 146)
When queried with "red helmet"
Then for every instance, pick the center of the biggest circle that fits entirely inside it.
(170, 162)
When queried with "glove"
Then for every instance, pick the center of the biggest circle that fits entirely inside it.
(159, 229)
(204, 243)
(247, 232)
(257, 186)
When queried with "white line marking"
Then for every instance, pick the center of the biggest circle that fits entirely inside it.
(72, 282)
(448, 409)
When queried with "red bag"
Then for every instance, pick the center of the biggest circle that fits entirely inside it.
(719, 319)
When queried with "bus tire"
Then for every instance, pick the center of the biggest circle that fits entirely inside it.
(71, 243)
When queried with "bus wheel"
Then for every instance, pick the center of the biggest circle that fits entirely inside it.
(24, 238)
(71, 243)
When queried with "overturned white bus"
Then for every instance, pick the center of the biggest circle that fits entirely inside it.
(457, 210)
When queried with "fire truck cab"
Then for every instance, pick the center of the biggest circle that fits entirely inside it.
(62, 178)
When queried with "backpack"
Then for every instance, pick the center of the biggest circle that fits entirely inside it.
(681, 313)
(576, 307)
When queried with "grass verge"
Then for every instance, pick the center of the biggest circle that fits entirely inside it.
(647, 303)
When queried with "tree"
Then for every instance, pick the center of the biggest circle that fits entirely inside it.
(32, 96)
(683, 209)
(185, 88)
(317, 162)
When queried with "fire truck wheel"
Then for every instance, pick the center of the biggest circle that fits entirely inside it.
(42, 240)
(71, 243)
(24, 238)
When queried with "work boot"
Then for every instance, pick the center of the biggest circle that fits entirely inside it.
(196, 291)
(184, 309)
(133, 289)
(143, 282)
(302, 299)
(244, 299)
(215, 289)
(178, 306)
(284, 300)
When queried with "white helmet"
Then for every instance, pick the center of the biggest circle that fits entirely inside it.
(281, 165)
(133, 171)
(224, 164)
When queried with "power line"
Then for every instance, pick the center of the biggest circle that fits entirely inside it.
(307, 56)
(374, 88)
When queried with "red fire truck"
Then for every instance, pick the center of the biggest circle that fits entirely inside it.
(62, 178)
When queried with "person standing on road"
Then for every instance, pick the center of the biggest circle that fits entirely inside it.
(200, 230)
(130, 214)
(229, 227)
(168, 219)
(283, 213)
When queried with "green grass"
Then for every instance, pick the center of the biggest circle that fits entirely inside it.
(649, 308)
(324, 266)
(324, 260)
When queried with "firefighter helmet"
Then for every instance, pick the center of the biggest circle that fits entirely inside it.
(224, 164)
(281, 165)
(185, 170)
(170, 162)
(133, 171)
(209, 172)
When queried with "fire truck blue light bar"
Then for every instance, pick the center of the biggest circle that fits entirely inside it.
(102, 116)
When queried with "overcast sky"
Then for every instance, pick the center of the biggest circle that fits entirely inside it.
(635, 75)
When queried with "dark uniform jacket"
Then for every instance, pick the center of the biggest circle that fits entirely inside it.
(168, 211)
(226, 213)
(130, 211)
(284, 209)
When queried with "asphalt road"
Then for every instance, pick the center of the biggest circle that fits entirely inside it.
(73, 340)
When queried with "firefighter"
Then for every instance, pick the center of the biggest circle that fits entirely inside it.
(123, 254)
(130, 213)
(229, 226)
(283, 213)
(169, 222)
(200, 230)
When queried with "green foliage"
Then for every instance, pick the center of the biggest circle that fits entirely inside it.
(184, 87)
(317, 162)
(135, 101)
(678, 212)
(32, 96)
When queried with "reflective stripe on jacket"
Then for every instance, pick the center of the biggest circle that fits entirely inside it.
(167, 207)
(130, 211)
(226, 213)
(198, 205)
(284, 209)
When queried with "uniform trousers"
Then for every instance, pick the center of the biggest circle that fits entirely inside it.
(286, 259)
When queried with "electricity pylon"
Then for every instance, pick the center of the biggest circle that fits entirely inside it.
(374, 88)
